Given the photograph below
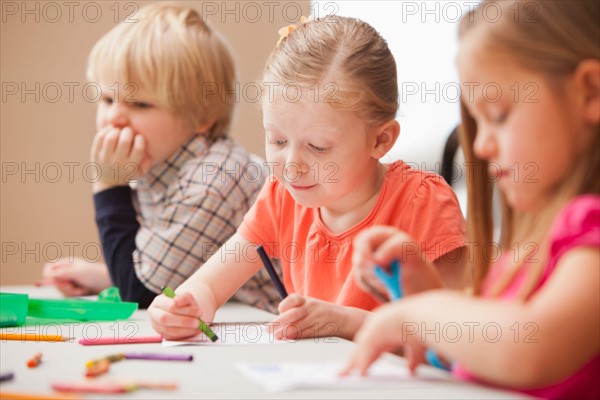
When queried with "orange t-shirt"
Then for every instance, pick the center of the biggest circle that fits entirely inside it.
(318, 263)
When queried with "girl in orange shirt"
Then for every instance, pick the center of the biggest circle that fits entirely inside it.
(331, 97)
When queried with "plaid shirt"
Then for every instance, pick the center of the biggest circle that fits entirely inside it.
(187, 207)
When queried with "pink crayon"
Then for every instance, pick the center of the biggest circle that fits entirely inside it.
(123, 340)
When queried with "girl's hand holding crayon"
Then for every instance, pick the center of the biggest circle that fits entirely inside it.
(121, 156)
(305, 317)
(177, 318)
(380, 245)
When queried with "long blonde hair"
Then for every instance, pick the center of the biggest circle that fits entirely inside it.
(171, 53)
(551, 38)
(344, 58)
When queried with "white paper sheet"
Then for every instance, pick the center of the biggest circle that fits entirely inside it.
(279, 377)
(231, 334)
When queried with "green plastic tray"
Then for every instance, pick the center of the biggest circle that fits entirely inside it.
(80, 309)
(13, 309)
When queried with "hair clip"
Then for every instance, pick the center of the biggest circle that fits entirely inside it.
(286, 30)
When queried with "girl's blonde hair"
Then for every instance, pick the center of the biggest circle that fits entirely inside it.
(172, 54)
(551, 38)
(344, 62)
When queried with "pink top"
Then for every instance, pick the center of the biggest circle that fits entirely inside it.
(577, 225)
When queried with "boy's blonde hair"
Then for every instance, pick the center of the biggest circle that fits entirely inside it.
(172, 54)
(346, 63)
(551, 38)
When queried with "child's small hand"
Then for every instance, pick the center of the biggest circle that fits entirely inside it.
(176, 318)
(305, 317)
(380, 245)
(121, 156)
(76, 277)
(384, 331)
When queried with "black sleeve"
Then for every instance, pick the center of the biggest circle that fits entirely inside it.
(117, 226)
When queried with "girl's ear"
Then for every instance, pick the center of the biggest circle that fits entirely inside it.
(386, 136)
(587, 78)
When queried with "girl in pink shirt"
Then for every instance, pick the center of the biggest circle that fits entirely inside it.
(535, 324)
(329, 107)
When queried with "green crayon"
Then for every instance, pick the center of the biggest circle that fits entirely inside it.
(167, 291)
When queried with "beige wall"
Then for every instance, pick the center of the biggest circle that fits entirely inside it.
(45, 201)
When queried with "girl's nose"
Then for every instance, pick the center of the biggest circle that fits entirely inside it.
(485, 144)
(295, 166)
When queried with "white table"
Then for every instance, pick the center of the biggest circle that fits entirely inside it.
(212, 373)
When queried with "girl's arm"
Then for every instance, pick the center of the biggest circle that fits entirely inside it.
(453, 269)
(206, 290)
(226, 271)
(515, 344)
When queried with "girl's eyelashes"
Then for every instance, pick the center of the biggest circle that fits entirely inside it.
(492, 116)
(318, 149)
(107, 100)
(284, 142)
(278, 142)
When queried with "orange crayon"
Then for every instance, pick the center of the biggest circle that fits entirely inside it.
(35, 360)
(32, 337)
(36, 396)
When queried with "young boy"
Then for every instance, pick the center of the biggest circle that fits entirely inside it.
(172, 186)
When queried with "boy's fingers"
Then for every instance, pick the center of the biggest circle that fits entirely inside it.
(137, 151)
(50, 269)
(98, 142)
(109, 145)
(65, 272)
(60, 263)
(70, 289)
(124, 145)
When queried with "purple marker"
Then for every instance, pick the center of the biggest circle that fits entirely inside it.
(159, 357)
(7, 376)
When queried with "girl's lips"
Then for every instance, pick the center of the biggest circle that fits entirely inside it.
(495, 173)
(299, 187)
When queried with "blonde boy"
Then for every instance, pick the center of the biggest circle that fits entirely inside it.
(173, 187)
